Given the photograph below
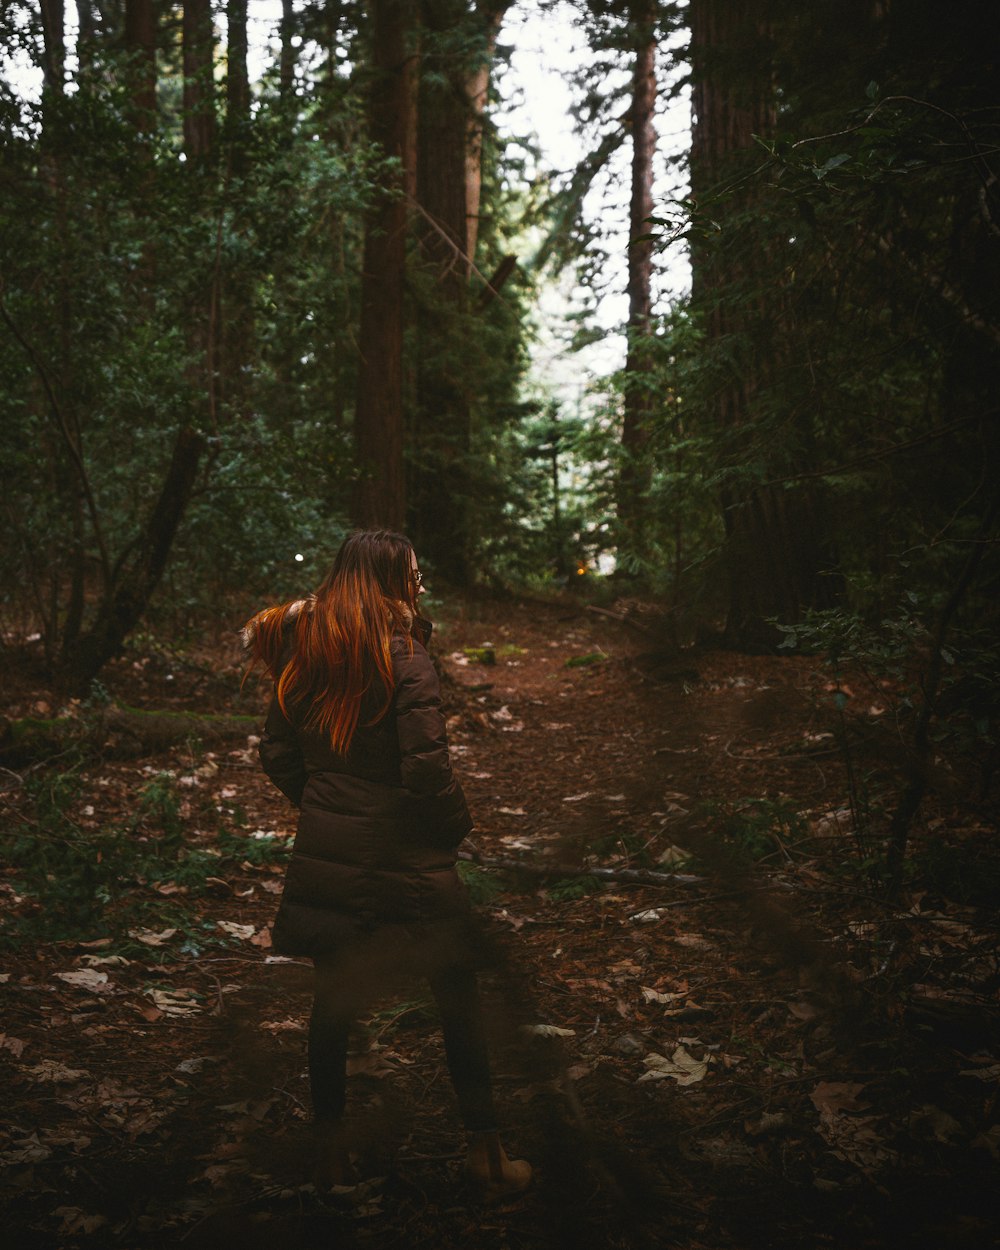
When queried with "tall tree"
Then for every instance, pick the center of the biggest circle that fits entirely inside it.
(199, 62)
(130, 583)
(639, 400)
(140, 46)
(459, 44)
(379, 497)
(776, 547)
(237, 80)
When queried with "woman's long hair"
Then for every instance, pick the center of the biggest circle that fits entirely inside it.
(325, 653)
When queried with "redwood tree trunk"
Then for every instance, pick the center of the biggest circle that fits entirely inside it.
(237, 79)
(286, 63)
(379, 496)
(140, 43)
(459, 43)
(777, 554)
(635, 477)
(199, 107)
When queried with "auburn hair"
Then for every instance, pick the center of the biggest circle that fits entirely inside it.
(325, 653)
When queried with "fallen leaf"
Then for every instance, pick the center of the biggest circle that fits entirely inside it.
(242, 931)
(939, 1123)
(58, 1073)
(27, 1150)
(991, 1073)
(216, 1173)
(13, 1044)
(655, 996)
(87, 979)
(547, 1030)
(372, 1063)
(680, 1067)
(833, 1097)
(174, 1002)
(149, 937)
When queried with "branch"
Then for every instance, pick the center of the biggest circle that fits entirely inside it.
(459, 253)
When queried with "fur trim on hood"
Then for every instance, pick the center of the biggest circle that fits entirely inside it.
(249, 631)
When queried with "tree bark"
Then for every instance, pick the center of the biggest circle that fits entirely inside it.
(135, 579)
(237, 79)
(53, 44)
(778, 556)
(286, 63)
(199, 94)
(459, 45)
(379, 495)
(635, 476)
(140, 43)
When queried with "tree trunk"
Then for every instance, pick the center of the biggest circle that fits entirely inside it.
(85, 36)
(237, 79)
(53, 44)
(140, 43)
(635, 476)
(379, 495)
(199, 103)
(135, 580)
(286, 62)
(459, 45)
(777, 551)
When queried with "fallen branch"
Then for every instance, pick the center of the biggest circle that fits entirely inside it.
(117, 732)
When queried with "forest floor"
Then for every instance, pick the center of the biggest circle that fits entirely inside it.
(752, 1049)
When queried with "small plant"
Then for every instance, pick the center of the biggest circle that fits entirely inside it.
(758, 827)
(586, 661)
(568, 889)
(84, 881)
(629, 844)
(483, 885)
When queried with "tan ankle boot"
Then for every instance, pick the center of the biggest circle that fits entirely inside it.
(488, 1168)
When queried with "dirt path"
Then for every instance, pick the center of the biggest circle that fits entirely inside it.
(688, 1064)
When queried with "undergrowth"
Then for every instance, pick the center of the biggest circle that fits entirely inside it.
(77, 881)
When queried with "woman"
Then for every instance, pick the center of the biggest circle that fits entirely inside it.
(356, 739)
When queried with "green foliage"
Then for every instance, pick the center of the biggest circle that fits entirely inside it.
(137, 256)
(757, 827)
(585, 661)
(484, 884)
(569, 889)
(81, 882)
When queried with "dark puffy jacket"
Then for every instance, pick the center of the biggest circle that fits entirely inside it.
(379, 826)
